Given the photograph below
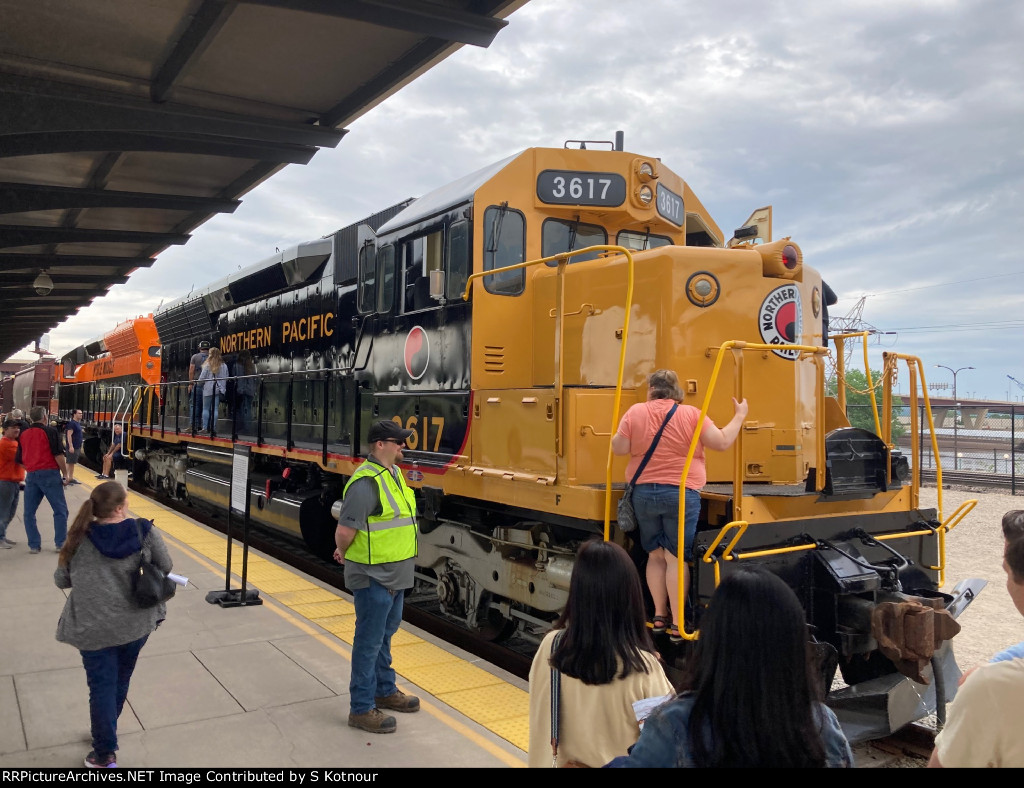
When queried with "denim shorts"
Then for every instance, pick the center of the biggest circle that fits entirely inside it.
(657, 515)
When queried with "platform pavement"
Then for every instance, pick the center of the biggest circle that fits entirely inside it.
(214, 687)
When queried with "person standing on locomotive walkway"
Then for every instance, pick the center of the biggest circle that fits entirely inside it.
(195, 398)
(377, 542)
(656, 495)
(39, 450)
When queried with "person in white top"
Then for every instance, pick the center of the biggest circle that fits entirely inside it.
(984, 721)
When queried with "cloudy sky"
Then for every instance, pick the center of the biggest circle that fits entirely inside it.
(887, 134)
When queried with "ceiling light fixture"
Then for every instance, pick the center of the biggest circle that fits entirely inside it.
(43, 284)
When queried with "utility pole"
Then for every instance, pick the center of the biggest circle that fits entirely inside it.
(956, 414)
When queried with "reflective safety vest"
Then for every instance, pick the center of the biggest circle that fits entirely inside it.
(390, 535)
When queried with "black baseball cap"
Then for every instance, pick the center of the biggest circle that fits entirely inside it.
(203, 345)
(387, 430)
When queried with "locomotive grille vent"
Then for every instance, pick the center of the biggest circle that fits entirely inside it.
(494, 359)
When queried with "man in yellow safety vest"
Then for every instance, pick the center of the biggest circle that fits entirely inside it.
(377, 542)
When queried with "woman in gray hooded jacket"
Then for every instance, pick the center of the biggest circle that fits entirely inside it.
(101, 618)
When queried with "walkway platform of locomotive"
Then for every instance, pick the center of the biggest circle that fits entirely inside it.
(254, 686)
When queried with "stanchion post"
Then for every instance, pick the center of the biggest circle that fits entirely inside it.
(238, 502)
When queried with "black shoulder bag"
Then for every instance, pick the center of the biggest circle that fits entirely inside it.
(626, 516)
(556, 706)
(150, 586)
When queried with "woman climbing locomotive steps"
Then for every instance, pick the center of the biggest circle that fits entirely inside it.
(101, 618)
(656, 493)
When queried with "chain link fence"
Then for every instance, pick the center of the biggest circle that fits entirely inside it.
(983, 445)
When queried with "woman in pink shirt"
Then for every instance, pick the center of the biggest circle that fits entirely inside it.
(656, 495)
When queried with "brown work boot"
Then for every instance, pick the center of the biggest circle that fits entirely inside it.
(398, 701)
(374, 721)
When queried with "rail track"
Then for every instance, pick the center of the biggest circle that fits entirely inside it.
(988, 481)
(908, 747)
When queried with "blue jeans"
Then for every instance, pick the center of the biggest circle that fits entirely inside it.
(48, 484)
(9, 492)
(195, 407)
(108, 671)
(657, 517)
(245, 412)
(378, 616)
(210, 403)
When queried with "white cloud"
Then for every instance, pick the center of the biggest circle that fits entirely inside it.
(887, 136)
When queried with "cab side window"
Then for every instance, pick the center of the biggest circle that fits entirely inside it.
(458, 259)
(367, 272)
(504, 245)
(421, 256)
(385, 279)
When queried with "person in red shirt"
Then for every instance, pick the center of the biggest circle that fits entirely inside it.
(46, 471)
(11, 477)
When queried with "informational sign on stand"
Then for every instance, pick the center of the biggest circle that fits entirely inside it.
(240, 480)
(239, 503)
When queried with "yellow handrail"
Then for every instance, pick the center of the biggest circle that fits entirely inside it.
(738, 345)
(841, 373)
(562, 260)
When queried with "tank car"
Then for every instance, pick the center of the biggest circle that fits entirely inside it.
(30, 386)
(509, 319)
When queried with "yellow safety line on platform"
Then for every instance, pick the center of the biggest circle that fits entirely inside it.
(301, 603)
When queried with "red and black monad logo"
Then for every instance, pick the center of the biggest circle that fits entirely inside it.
(781, 320)
(417, 353)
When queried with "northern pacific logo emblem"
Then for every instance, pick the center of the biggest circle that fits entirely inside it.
(417, 353)
(781, 320)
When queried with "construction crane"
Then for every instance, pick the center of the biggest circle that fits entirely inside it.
(1019, 384)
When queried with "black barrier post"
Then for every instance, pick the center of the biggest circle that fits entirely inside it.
(239, 501)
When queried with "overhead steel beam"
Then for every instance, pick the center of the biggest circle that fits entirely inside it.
(26, 235)
(413, 16)
(15, 260)
(32, 104)
(60, 279)
(22, 197)
(206, 22)
(43, 142)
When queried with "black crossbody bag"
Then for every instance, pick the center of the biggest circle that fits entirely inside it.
(626, 517)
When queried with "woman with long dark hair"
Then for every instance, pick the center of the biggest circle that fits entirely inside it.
(100, 617)
(606, 660)
(754, 693)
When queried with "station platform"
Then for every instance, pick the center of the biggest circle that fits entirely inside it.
(258, 686)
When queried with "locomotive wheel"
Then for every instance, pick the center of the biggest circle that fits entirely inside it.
(497, 628)
(150, 478)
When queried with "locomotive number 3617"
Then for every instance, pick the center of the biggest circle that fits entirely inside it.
(427, 429)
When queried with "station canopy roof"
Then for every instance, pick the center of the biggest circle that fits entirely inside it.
(126, 124)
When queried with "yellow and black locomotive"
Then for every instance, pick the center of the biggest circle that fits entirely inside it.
(509, 319)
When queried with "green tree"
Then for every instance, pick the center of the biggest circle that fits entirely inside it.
(858, 402)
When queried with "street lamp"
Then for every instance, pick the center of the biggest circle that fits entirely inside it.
(956, 412)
